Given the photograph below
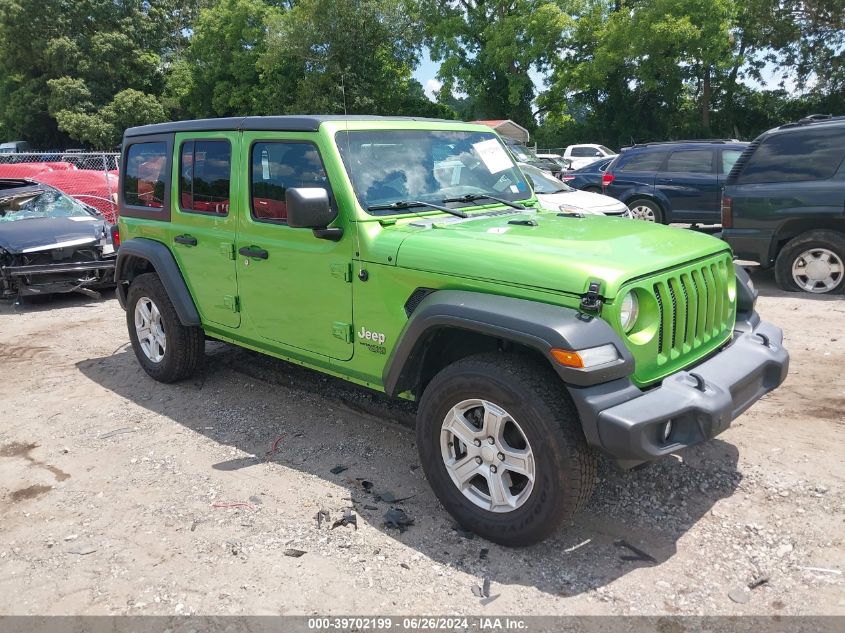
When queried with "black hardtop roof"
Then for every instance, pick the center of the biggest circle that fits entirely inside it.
(287, 123)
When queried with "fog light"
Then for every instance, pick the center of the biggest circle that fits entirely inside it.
(667, 431)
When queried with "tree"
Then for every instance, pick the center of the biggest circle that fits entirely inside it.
(489, 48)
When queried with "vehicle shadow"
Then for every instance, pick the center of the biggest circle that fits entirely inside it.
(649, 508)
(44, 303)
(764, 281)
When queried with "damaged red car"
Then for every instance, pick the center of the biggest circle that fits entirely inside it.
(51, 243)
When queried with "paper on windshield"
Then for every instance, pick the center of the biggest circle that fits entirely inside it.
(495, 157)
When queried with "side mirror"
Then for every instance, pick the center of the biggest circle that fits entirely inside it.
(599, 154)
(308, 208)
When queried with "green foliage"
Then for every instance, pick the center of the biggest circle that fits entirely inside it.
(616, 71)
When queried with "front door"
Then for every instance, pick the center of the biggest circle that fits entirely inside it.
(295, 289)
(690, 183)
(204, 221)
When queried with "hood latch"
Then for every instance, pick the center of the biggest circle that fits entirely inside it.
(590, 300)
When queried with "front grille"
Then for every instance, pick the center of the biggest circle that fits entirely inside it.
(693, 307)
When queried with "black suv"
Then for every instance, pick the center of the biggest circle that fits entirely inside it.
(784, 204)
(677, 181)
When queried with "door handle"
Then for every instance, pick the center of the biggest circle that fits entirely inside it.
(187, 240)
(253, 251)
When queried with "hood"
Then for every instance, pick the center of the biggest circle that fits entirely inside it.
(561, 253)
(35, 234)
(590, 202)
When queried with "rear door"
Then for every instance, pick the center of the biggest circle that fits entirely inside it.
(691, 185)
(295, 288)
(204, 221)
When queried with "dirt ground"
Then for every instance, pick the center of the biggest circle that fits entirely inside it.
(119, 495)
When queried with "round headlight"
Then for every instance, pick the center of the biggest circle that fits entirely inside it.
(628, 313)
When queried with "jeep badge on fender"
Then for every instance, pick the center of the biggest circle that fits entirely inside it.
(530, 339)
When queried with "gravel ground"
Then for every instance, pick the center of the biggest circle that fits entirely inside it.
(119, 495)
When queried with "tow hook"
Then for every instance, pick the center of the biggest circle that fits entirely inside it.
(590, 300)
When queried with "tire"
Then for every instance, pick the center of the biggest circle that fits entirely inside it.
(825, 275)
(534, 400)
(184, 346)
(646, 210)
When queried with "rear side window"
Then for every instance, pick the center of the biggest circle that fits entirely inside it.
(729, 158)
(695, 161)
(796, 156)
(645, 161)
(146, 167)
(205, 168)
(277, 166)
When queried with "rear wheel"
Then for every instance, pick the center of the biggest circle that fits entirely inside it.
(812, 262)
(502, 448)
(167, 350)
(646, 210)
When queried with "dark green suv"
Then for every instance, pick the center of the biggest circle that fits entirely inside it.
(784, 204)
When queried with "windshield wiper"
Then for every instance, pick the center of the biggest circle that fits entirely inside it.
(407, 204)
(472, 197)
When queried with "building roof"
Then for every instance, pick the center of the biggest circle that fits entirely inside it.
(508, 128)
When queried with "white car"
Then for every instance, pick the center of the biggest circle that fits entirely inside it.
(556, 196)
(582, 155)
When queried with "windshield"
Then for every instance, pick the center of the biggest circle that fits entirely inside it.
(40, 203)
(394, 166)
(543, 182)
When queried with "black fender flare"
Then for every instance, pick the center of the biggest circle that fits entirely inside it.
(540, 326)
(162, 260)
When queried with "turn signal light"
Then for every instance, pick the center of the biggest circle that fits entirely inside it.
(568, 358)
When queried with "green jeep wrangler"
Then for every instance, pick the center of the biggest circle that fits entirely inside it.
(410, 256)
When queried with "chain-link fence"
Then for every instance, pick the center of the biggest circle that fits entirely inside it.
(90, 177)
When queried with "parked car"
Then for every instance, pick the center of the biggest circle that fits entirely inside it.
(557, 159)
(557, 196)
(582, 155)
(51, 243)
(530, 339)
(523, 154)
(677, 181)
(783, 204)
(14, 147)
(97, 189)
(588, 178)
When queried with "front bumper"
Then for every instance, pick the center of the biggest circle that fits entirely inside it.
(700, 402)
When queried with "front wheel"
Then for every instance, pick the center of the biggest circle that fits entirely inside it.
(167, 350)
(502, 448)
(812, 262)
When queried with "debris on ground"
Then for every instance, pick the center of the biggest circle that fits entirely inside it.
(322, 515)
(821, 570)
(759, 581)
(82, 550)
(338, 469)
(640, 555)
(121, 431)
(397, 519)
(256, 500)
(233, 504)
(483, 591)
(348, 518)
(274, 448)
(467, 534)
(483, 553)
(574, 547)
(739, 595)
(294, 553)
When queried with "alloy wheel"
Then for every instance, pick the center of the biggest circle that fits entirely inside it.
(150, 329)
(487, 455)
(817, 270)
